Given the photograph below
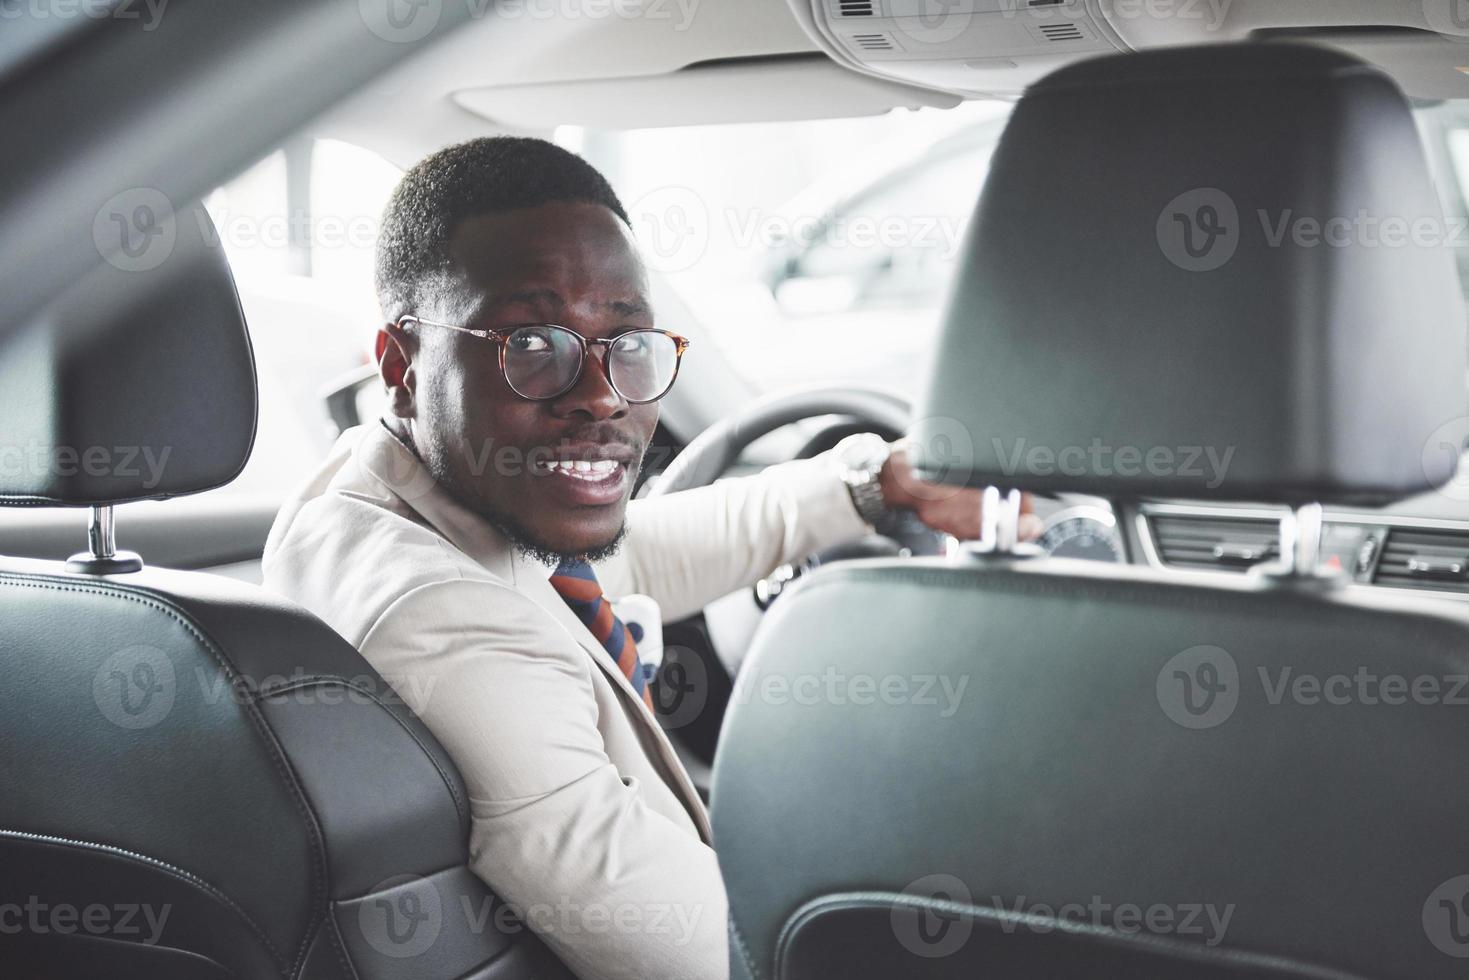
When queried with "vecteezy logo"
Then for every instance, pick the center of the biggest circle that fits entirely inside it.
(401, 21)
(402, 917)
(944, 449)
(1444, 459)
(1199, 230)
(135, 687)
(135, 230)
(938, 21)
(1199, 687)
(673, 225)
(928, 920)
(682, 689)
(1446, 917)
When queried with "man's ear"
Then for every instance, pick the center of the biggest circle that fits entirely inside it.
(395, 350)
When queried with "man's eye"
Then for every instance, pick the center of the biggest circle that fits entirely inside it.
(634, 343)
(529, 342)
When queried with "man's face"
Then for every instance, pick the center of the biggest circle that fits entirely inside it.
(569, 264)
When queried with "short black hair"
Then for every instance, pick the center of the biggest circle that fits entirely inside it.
(481, 176)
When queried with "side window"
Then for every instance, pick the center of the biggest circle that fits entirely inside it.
(892, 247)
(299, 228)
(805, 252)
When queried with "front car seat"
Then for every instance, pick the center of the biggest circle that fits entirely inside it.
(199, 779)
(1064, 770)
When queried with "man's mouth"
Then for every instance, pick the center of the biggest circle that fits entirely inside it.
(593, 475)
(593, 471)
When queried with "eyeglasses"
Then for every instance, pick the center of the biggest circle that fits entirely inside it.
(542, 361)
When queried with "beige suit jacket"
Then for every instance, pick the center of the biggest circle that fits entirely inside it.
(582, 816)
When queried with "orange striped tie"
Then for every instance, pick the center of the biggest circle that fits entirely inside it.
(576, 583)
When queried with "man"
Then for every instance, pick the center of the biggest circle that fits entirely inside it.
(467, 542)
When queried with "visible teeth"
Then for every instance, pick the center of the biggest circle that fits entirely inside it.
(584, 469)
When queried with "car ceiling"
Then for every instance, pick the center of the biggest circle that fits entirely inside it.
(680, 61)
(677, 62)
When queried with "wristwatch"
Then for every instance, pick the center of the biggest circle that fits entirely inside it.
(861, 458)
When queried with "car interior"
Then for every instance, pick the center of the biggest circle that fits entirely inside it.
(1189, 275)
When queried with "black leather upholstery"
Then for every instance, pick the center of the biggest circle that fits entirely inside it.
(1281, 349)
(137, 383)
(189, 744)
(1057, 775)
(197, 779)
(1052, 769)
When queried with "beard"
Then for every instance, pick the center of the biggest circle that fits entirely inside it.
(526, 545)
(520, 537)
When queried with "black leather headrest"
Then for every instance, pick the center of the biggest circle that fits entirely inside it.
(1205, 272)
(138, 382)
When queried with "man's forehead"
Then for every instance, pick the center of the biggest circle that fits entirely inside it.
(549, 257)
(541, 297)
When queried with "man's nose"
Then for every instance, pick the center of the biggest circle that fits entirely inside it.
(592, 395)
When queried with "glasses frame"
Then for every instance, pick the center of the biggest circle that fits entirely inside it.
(499, 337)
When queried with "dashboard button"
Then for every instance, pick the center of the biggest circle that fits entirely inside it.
(1366, 553)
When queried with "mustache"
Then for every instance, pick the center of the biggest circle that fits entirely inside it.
(599, 435)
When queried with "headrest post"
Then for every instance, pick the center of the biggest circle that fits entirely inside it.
(102, 556)
(1300, 540)
(102, 532)
(999, 526)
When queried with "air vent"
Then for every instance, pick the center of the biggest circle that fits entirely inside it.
(1219, 543)
(855, 8)
(1062, 32)
(1436, 561)
(873, 42)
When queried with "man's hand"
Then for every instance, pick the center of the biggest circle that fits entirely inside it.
(948, 509)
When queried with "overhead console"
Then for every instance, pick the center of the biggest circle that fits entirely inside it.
(999, 47)
(969, 46)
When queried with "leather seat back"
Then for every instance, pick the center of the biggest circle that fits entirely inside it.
(1032, 767)
(201, 779)
(1046, 771)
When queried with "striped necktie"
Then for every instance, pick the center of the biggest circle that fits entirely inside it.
(576, 583)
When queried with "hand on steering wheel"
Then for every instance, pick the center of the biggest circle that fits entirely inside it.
(949, 510)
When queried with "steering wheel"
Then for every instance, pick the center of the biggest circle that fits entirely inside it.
(710, 454)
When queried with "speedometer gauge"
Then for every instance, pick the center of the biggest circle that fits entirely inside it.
(1088, 533)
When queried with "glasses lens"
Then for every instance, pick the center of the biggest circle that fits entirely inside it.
(542, 361)
(642, 364)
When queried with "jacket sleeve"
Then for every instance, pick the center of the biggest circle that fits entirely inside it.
(613, 887)
(688, 549)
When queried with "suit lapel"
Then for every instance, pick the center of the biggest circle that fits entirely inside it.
(534, 584)
(401, 473)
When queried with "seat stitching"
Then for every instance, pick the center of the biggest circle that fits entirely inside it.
(739, 938)
(174, 870)
(262, 727)
(340, 944)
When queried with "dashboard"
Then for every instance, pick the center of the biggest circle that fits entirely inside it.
(1420, 545)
